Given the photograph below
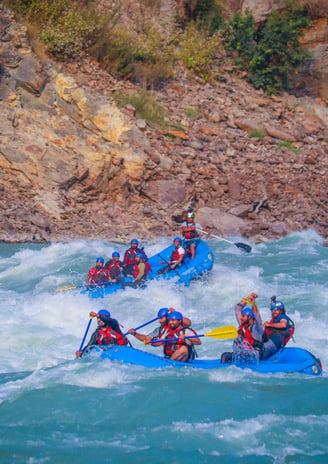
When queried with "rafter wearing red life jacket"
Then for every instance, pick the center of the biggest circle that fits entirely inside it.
(97, 276)
(114, 269)
(245, 334)
(175, 256)
(108, 336)
(190, 234)
(129, 256)
(170, 347)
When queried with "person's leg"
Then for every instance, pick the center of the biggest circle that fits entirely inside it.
(181, 354)
(164, 270)
(192, 250)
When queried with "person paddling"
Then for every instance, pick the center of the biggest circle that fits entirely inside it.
(248, 345)
(190, 233)
(108, 332)
(176, 259)
(163, 320)
(180, 349)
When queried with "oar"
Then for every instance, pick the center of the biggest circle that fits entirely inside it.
(65, 288)
(85, 334)
(241, 246)
(142, 325)
(229, 331)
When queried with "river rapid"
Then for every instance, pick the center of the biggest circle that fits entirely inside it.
(58, 409)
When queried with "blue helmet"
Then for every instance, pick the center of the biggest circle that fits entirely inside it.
(100, 260)
(134, 240)
(104, 312)
(175, 316)
(178, 239)
(277, 306)
(163, 312)
(247, 311)
(138, 255)
(115, 254)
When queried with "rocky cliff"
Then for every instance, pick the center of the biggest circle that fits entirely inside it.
(72, 164)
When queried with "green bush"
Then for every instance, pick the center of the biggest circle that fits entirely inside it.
(197, 49)
(271, 54)
(145, 103)
(66, 28)
(209, 13)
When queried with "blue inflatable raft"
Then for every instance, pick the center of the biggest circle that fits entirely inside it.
(190, 269)
(289, 360)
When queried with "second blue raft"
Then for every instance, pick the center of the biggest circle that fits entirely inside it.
(190, 269)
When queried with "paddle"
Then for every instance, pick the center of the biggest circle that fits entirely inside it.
(241, 246)
(65, 288)
(228, 331)
(178, 274)
(85, 334)
(142, 325)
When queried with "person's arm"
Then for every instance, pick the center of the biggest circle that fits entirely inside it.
(89, 275)
(93, 341)
(282, 324)
(141, 337)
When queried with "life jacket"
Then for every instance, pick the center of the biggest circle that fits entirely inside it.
(175, 256)
(108, 336)
(98, 276)
(129, 255)
(170, 347)
(284, 334)
(114, 268)
(190, 234)
(246, 336)
(147, 269)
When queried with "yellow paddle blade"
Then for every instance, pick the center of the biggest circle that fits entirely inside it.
(229, 331)
(64, 288)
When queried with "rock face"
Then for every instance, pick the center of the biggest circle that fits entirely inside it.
(72, 164)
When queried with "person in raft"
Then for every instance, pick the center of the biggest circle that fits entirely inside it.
(108, 332)
(278, 331)
(176, 259)
(190, 234)
(115, 269)
(163, 319)
(180, 348)
(129, 257)
(140, 271)
(257, 342)
(97, 275)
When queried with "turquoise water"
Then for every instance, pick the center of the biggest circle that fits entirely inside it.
(56, 409)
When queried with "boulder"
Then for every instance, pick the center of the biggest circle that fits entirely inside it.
(223, 222)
